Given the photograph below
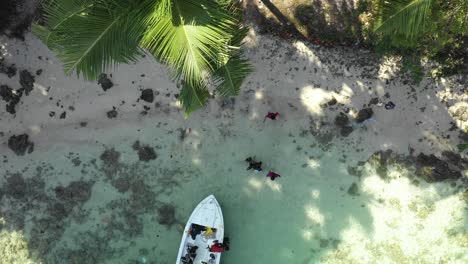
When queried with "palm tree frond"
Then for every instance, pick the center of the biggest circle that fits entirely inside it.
(93, 37)
(188, 37)
(408, 18)
(229, 77)
(193, 97)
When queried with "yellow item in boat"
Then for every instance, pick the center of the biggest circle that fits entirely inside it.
(208, 231)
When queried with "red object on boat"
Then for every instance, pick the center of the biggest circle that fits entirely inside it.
(218, 247)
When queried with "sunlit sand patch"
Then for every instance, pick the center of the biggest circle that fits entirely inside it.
(259, 95)
(255, 184)
(315, 194)
(313, 164)
(346, 93)
(307, 235)
(314, 215)
(410, 225)
(307, 53)
(41, 88)
(312, 98)
(176, 104)
(196, 161)
(35, 129)
(14, 247)
(274, 186)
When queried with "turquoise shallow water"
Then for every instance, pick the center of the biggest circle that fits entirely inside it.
(308, 215)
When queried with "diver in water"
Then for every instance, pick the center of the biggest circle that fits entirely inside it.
(273, 175)
(253, 164)
(271, 116)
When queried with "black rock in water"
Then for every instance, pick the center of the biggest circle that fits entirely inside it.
(364, 114)
(26, 81)
(147, 95)
(146, 153)
(105, 82)
(20, 144)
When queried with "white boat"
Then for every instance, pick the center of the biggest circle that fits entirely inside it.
(204, 227)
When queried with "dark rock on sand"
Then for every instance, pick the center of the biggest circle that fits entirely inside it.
(433, 169)
(10, 96)
(63, 115)
(341, 120)
(105, 82)
(10, 71)
(26, 81)
(20, 144)
(364, 114)
(112, 114)
(373, 101)
(39, 72)
(333, 101)
(147, 95)
(346, 131)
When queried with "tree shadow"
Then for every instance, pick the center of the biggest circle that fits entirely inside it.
(330, 21)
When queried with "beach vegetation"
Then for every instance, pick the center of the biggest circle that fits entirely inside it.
(199, 40)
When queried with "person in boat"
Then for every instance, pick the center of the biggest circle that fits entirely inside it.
(273, 175)
(271, 116)
(196, 230)
(217, 247)
(253, 164)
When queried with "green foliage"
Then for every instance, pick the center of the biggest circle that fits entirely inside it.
(406, 19)
(198, 40)
(462, 147)
(436, 29)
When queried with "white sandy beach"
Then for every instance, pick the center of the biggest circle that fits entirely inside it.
(309, 215)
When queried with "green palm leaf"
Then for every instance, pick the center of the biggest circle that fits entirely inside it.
(91, 37)
(408, 18)
(193, 97)
(188, 35)
(229, 77)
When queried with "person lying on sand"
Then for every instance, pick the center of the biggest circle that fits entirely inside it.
(271, 116)
(273, 175)
(256, 165)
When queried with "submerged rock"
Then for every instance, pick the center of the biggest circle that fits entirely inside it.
(147, 95)
(105, 82)
(20, 144)
(26, 81)
(145, 152)
(364, 114)
(166, 215)
(433, 169)
(76, 192)
(110, 157)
